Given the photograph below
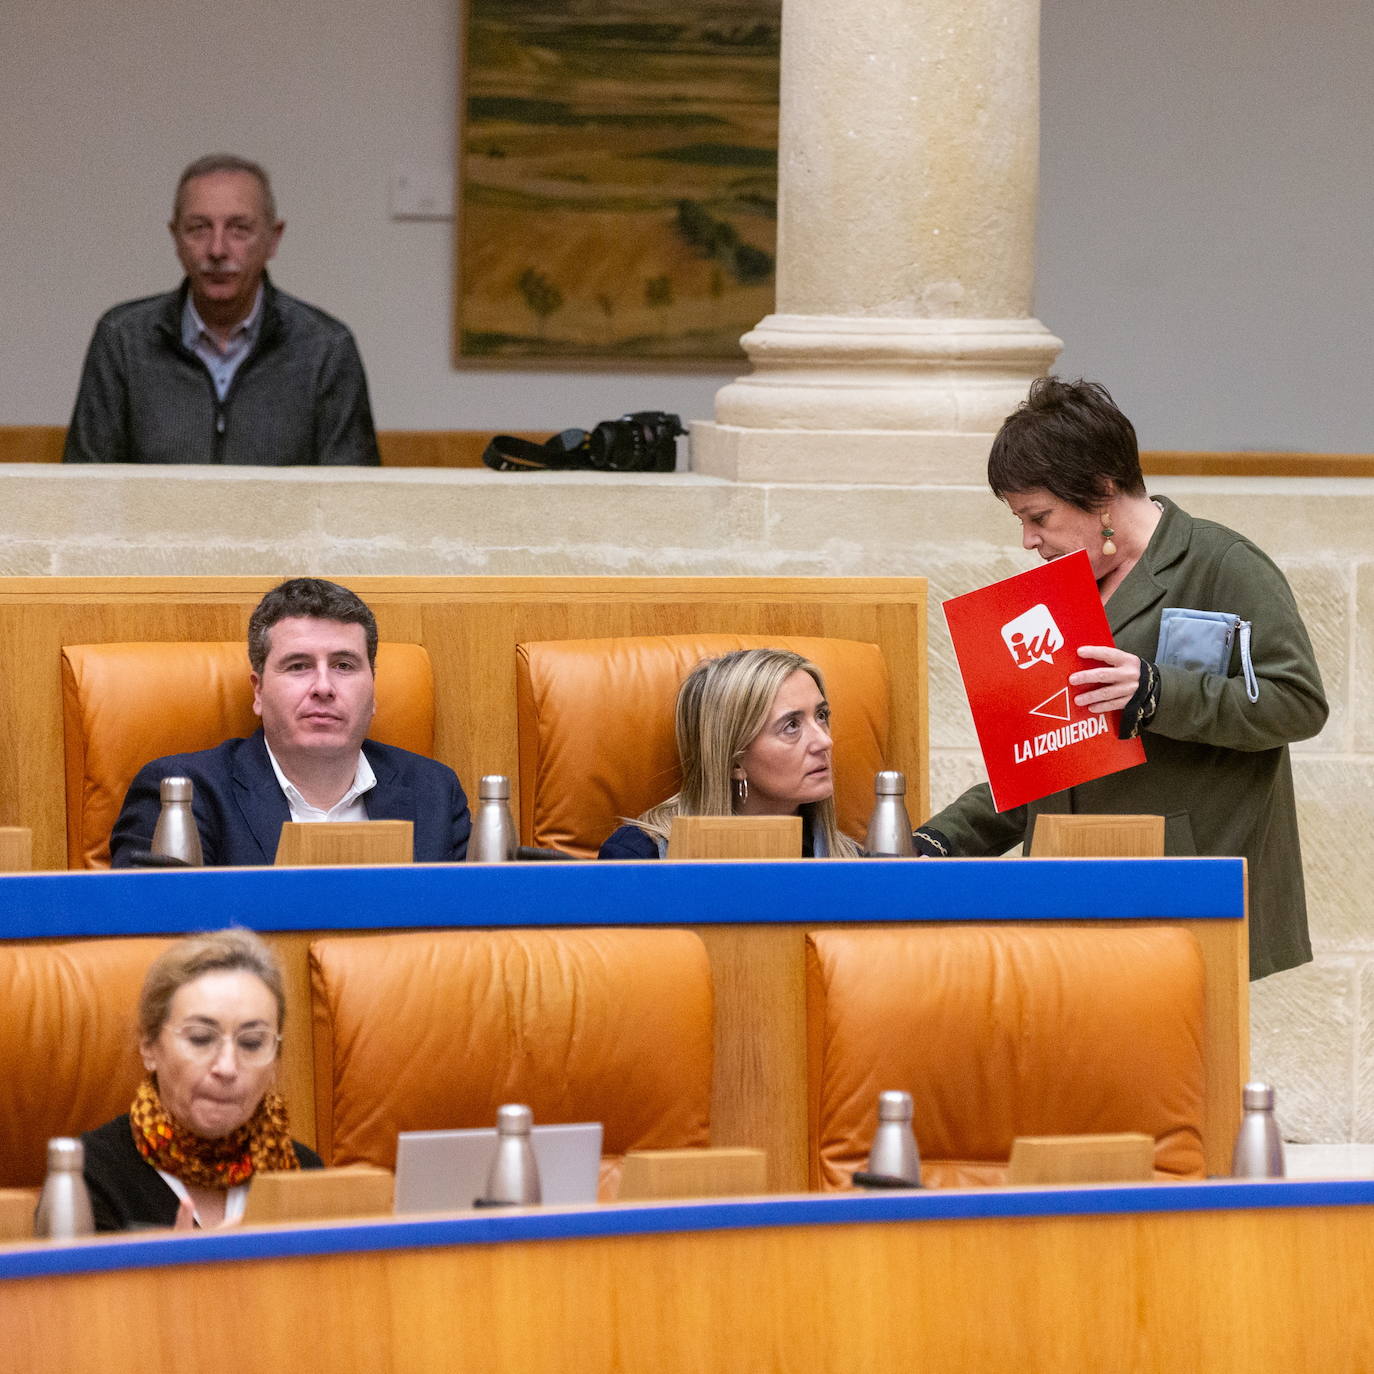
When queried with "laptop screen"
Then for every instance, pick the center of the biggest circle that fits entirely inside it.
(443, 1171)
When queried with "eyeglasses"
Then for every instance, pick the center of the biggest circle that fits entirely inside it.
(252, 1048)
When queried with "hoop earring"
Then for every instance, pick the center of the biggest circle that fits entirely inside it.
(1108, 542)
(741, 790)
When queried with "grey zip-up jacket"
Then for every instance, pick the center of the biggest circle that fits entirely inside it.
(299, 397)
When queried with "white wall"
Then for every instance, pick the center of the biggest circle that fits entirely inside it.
(1205, 213)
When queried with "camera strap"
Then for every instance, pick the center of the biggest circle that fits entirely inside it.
(570, 449)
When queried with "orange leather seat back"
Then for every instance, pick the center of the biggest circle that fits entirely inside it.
(998, 1032)
(435, 1030)
(68, 1043)
(596, 727)
(124, 705)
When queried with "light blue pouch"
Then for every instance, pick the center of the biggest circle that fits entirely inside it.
(1200, 641)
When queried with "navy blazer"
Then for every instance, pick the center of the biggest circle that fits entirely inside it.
(240, 808)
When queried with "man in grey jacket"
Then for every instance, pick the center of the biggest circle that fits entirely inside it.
(226, 368)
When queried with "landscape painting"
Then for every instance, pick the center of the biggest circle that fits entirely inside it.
(618, 179)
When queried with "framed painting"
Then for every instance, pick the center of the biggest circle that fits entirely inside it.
(617, 180)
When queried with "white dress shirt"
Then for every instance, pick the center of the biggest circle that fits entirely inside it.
(349, 807)
(235, 1200)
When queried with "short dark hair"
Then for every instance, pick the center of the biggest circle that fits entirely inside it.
(226, 162)
(1068, 438)
(312, 597)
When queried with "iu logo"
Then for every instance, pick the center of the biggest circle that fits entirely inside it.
(1032, 637)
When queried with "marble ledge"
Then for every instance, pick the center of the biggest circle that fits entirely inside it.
(17, 473)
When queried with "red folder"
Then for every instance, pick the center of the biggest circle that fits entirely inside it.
(1017, 642)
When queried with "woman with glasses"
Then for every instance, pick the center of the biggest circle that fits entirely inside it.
(205, 1119)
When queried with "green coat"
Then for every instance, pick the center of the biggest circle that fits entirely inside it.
(1217, 765)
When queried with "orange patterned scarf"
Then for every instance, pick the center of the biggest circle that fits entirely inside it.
(263, 1142)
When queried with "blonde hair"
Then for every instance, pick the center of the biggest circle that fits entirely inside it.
(722, 706)
(218, 950)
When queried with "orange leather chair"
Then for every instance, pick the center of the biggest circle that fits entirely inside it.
(595, 723)
(435, 1030)
(998, 1032)
(126, 704)
(68, 1043)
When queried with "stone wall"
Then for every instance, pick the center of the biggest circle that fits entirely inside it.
(1313, 1027)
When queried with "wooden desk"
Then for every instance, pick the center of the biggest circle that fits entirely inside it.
(753, 918)
(1214, 1278)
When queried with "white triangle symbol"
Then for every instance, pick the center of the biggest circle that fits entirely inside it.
(1055, 707)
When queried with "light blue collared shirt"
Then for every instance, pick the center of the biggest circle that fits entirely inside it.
(221, 362)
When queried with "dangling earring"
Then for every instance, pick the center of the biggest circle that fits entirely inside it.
(741, 790)
(1108, 542)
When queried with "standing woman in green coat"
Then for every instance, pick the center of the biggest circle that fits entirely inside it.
(1216, 741)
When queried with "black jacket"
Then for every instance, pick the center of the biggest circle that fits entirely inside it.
(299, 397)
(127, 1193)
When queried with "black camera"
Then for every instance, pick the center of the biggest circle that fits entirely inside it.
(643, 442)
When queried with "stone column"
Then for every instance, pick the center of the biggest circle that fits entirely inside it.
(907, 174)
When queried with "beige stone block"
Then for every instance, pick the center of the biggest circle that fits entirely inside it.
(1364, 1055)
(225, 505)
(903, 458)
(1362, 668)
(1303, 1026)
(43, 504)
(138, 503)
(546, 511)
(25, 558)
(952, 773)
(1322, 591)
(165, 559)
(1288, 517)
(1336, 822)
(893, 531)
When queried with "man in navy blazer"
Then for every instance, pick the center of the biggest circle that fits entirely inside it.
(312, 646)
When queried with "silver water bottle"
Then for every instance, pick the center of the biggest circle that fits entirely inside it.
(894, 1153)
(493, 831)
(176, 835)
(513, 1180)
(64, 1208)
(889, 828)
(1259, 1147)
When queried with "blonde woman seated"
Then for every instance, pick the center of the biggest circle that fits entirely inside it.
(753, 737)
(205, 1119)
